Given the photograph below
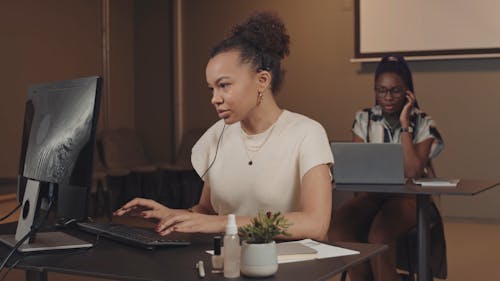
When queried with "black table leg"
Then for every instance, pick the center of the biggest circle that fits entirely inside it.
(423, 207)
(34, 275)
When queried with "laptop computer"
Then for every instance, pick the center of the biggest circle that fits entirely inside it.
(368, 163)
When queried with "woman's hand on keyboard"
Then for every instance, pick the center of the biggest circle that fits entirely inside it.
(172, 220)
(146, 208)
(191, 222)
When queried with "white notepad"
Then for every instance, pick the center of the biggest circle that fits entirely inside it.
(294, 251)
(437, 182)
(323, 251)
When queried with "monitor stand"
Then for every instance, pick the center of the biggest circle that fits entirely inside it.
(43, 241)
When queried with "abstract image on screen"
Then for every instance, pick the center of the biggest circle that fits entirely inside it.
(60, 125)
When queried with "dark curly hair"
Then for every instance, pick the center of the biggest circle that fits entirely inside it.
(262, 41)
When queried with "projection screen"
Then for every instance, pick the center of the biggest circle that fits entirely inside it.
(427, 28)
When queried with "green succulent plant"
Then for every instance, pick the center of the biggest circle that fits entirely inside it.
(264, 227)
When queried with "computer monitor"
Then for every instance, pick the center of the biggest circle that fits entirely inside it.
(57, 150)
(58, 141)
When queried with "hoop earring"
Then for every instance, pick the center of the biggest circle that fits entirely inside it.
(260, 97)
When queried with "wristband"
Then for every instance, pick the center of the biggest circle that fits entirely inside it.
(407, 130)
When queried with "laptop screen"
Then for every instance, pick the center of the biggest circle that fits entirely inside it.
(368, 163)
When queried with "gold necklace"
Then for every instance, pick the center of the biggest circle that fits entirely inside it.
(256, 149)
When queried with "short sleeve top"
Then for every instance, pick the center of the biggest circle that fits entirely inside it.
(371, 126)
(280, 157)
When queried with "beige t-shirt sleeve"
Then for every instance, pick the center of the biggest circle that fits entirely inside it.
(314, 149)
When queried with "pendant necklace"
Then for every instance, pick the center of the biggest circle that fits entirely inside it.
(252, 151)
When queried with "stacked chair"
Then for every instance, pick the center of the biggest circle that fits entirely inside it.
(175, 185)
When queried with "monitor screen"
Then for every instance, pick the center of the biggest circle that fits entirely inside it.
(58, 141)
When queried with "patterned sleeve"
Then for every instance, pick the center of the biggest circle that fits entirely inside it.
(360, 124)
(427, 129)
(315, 149)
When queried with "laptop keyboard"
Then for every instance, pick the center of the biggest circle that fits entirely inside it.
(134, 236)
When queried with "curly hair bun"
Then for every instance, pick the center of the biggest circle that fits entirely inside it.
(266, 32)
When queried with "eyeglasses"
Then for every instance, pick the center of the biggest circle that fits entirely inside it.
(395, 92)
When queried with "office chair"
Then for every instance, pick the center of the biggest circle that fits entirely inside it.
(406, 248)
(181, 185)
(102, 197)
(99, 196)
(123, 151)
(175, 185)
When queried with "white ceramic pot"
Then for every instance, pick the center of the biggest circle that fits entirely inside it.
(259, 260)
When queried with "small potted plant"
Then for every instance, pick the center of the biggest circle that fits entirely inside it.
(258, 252)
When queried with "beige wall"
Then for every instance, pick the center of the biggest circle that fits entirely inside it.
(42, 41)
(140, 73)
(153, 77)
(462, 96)
(319, 75)
(121, 60)
(52, 40)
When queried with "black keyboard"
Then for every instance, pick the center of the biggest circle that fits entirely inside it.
(134, 236)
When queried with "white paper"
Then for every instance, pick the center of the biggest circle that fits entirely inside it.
(324, 251)
(327, 251)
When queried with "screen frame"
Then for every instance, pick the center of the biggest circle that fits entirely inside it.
(416, 55)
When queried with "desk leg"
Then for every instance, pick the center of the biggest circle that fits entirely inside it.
(34, 275)
(423, 206)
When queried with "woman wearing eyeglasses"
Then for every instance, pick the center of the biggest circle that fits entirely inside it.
(378, 217)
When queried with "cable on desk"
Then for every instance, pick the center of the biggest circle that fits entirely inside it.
(9, 269)
(33, 230)
(10, 213)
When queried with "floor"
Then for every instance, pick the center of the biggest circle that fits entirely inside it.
(473, 248)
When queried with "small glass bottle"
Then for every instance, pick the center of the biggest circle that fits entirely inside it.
(232, 249)
(217, 258)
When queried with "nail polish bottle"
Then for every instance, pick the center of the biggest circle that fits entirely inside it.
(217, 258)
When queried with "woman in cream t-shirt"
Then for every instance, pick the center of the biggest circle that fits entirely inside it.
(258, 157)
(261, 171)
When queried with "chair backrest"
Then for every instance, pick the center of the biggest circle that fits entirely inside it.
(122, 149)
(98, 165)
(183, 157)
